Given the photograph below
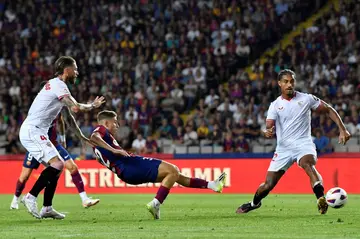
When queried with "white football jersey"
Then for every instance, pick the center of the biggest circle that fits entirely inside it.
(293, 118)
(47, 104)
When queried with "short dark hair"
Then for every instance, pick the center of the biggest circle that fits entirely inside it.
(286, 72)
(106, 114)
(61, 63)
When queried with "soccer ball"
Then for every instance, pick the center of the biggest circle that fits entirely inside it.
(336, 197)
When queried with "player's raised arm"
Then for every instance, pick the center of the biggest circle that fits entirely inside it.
(97, 140)
(70, 120)
(75, 107)
(325, 108)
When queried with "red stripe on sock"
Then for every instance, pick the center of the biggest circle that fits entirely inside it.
(19, 188)
(77, 180)
(162, 194)
(198, 183)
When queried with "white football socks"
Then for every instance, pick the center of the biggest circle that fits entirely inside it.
(83, 196)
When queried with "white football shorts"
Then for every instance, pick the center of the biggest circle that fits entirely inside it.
(284, 157)
(37, 143)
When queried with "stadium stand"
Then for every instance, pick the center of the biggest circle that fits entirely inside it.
(155, 60)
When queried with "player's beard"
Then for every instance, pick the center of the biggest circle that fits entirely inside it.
(71, 79)
(289, 93)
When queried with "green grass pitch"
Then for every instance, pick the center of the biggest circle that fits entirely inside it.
(184, 216)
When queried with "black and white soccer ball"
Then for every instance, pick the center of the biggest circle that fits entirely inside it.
(336, 197)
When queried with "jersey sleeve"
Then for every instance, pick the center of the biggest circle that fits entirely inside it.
(101, 130)
(271, 114)
(61, 90)
(314, 101)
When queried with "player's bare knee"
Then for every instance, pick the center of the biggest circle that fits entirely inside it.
(58, 164)
(176, 169)
(175, 172)
(308, 160)
(24, 178)
(72, 167)
(25, 174)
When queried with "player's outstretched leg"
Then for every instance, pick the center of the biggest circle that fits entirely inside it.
(77, 180)
(308, 162)
(216, 185)
(272, 178)
(168, 174)
(47, 175)
(47, 211)
(20, 185)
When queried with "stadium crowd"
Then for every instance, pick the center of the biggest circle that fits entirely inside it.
(325, 57)
(155, 60)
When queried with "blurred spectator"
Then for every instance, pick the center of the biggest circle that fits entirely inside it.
(229, 143)
(330, 128)
(151, 145)
(322, 143)
(123, 133)
(139, 144)
(202, 130)
(11, 146)
(177, 96)
(14, 90)
(190, 91)
(210, 99)
(242, 145)
(131, 112)
(350, 126)
(190, 136)
(179, 138)
(216, 135)
(144, 120)
(164, 129)
(3, 126)
(152, 58)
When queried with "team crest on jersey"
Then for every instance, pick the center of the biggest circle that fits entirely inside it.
(301, 103)
(48, 144)
(281, 108)
(115, 142)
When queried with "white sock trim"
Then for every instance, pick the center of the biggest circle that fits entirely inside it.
(156, 202)
(316, 183)
(83, 196)
(211, 185)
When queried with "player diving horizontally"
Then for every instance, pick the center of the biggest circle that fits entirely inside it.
(34, 130)
(134, 169)
(290, 116)
(31, 163)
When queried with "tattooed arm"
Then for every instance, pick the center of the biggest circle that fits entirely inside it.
(62, 131)
(75, 107)
(70, 120)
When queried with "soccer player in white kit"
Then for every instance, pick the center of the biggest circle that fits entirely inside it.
(34, 130)
(290, 116)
